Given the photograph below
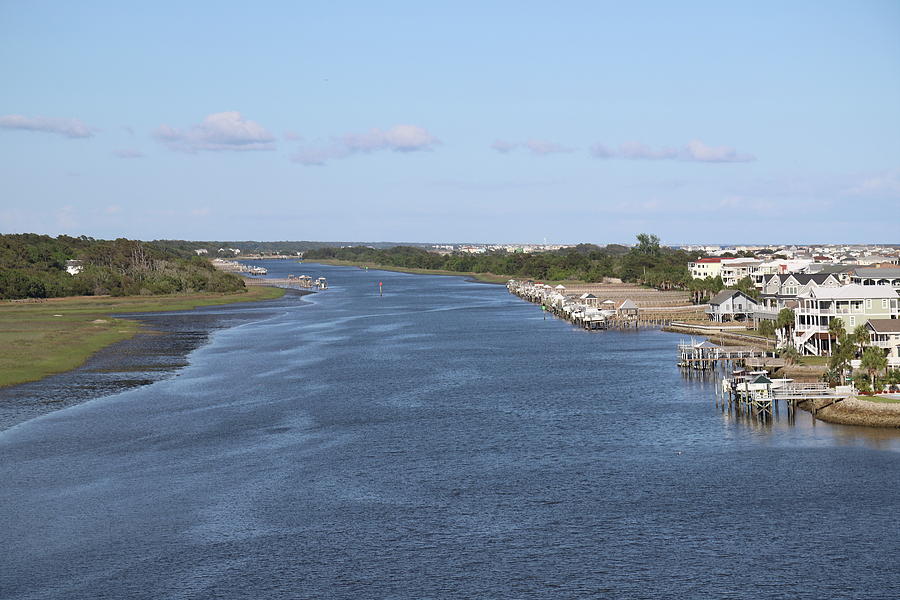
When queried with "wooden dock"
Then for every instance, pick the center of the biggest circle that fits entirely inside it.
(616, 306)
(287, 283)
(755, 394)
(706, 355)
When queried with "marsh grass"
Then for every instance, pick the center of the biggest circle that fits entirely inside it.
(38, 339)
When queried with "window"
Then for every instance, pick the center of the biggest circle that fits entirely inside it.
(868, 303)
(884, 302)
(852, 321)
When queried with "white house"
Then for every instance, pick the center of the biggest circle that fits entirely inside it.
(885, 334)
(854, 304)
(74, 267)
(731, 305)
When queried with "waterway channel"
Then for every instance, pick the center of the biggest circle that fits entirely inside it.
(444, 440)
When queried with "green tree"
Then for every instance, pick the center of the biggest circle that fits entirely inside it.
(841, 355)
(648, 244)
(873, 361)
(784, 322)
(767, 328)
(860, 337)
(789, 354)
(836, 329)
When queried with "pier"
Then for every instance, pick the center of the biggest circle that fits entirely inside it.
(597, 307)
(706, 355)
(303, 282)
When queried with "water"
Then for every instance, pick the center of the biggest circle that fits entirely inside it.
(442, 441)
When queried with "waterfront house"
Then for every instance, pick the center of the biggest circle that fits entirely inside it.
(735, 270)
(885, 334)
(703, 268)
(876, 276)
(731, 305)
(854, 304)
(777, 290)
(628, 310)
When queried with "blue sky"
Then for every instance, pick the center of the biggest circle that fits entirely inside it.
(416, 121)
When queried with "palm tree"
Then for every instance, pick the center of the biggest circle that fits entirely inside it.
(785, 322)
(873, 361)
(836, 328)
(860, 337)
(841, 355)
(789, 354)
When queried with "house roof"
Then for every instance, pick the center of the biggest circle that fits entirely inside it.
(803, 278)
(761, 379)
(709, 260)
(627, 304)
(885, 325)
(587, 296)
(834, 269)
(726, 294)
(877, 272)
(853, 291)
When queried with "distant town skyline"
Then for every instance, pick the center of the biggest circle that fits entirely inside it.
(508, 123)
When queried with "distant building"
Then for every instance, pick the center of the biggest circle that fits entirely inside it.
(74, 267)
(201, 251)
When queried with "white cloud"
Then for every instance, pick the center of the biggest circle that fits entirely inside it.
(601, 151)
(881, 184)
(698, 151)
(638, 151)
(537, 147)
(128, 153)
(220, 131)
(400, 138)
(71, 128)
(693, 151)
(504, 147)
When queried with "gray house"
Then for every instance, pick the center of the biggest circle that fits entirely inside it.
(731, 305)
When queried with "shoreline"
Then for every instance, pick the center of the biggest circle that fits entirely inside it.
(855, 411)
(156, 349)
(470, 275)
(56, 335)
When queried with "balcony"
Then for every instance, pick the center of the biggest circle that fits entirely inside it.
(829, 311)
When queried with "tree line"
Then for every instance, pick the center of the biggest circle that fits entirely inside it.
(34, 266)
(645, 263)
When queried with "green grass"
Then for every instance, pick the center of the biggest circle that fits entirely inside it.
(880, 399)
(484, 277)
(756, 333)
(814, 361)
(59, 334)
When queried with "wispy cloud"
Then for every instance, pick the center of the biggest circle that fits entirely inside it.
(885, 184)
(536, 147)
(70, 128)
(693, 151)
(128, 153)
(400, 138)
(220, 131)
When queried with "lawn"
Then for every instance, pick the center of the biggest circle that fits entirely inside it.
(880, 399)
(59, 334)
